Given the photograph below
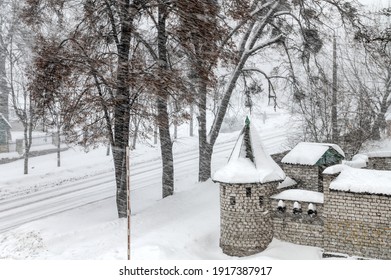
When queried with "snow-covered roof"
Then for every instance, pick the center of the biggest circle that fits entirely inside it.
(300, 195)
(306, 153)
(249, 163)
(358, 161)
(5, 120)
(288, 182)
(363, 181)
(334, 169)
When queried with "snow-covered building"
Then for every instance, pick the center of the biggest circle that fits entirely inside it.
(4, 133)
(306, 162)
(349, 214)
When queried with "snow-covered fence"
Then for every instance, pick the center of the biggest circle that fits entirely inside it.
(38, 143)
(12, 147)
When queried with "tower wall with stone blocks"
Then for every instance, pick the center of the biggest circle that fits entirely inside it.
(246, 225)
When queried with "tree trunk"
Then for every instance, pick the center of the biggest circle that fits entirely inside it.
(246, 48)
(26, 150)
(206, 143)
(122, 107)
(205, 161)
(58, 147)
(205, 149)
(28, 130)
(162, 107)
(380, 122)
(108, 150)
(120, 179)
(191, 120)
(166, 148)
(155, 134)
(135, 133)
(376, 135)
(334, 114)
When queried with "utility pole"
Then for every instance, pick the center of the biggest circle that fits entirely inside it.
(334, 121)
(128, 196)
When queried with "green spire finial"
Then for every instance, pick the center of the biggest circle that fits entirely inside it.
(247, 122)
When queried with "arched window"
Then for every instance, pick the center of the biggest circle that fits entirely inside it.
(296, 208)
(248, 192)
(281, 206)
(311, 210)
(261, 200)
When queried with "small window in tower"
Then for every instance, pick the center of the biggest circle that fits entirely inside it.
(232, 200)
(248, 192)
(224, 190)
(260, 201)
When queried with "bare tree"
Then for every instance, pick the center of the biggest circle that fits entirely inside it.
(98, 33)
(16, 48)
(7, 27)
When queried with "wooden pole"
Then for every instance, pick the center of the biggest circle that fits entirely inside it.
(128, 196)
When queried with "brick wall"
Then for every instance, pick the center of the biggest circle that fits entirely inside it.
(245, 228)
(379, 163)
(298, 228)
(357, 224)
(306, 176)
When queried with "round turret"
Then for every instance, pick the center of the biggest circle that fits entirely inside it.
(246, 184)
(246, 226)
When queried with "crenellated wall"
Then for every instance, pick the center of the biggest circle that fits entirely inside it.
(298, 228)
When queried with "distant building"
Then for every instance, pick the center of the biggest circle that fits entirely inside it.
(347, 214)
(4, 134)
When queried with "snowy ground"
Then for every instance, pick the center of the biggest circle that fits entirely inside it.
(184, 226)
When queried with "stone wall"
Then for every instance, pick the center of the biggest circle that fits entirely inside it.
(298, 228)
(357, 224)
(379, 163)
(306, 176)
(246, 227)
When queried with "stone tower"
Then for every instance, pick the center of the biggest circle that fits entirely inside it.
(246, 183)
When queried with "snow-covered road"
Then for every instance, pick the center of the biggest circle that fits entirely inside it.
(145, 185)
